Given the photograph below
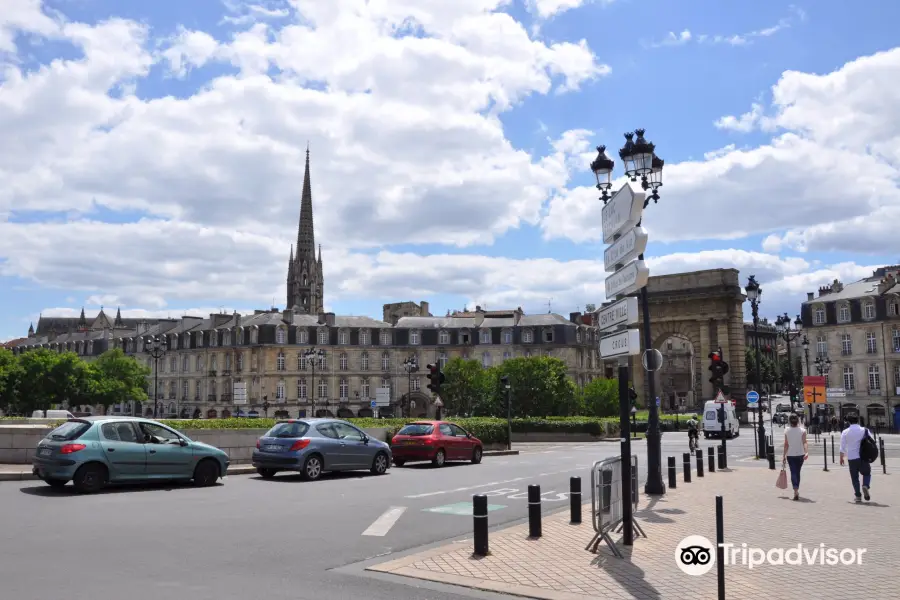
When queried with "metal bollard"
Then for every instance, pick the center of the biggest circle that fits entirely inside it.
(770, 452)
(480, 518)
(720, 546)
(723, 461)
(824, 455)
(534, 511)
(673, 483)
(832, 449)
(699, 462)
(575, 499)
(686, 462)
(881, 452)
(712, 459)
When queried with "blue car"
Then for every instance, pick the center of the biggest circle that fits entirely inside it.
(314, 446)
(95, 451)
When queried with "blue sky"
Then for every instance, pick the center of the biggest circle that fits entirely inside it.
(111, 179)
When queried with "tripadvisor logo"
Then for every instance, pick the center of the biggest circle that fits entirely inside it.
(696, 555)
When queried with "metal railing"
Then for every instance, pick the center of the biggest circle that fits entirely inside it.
(606, 501)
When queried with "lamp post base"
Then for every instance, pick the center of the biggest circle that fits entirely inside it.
(654, 485)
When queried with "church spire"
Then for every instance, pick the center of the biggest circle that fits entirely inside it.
(82, 320)
(31, 330)
(304, 276)
(306, 237)
(118, 322)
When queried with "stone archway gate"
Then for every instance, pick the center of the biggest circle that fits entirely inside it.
(705, 307)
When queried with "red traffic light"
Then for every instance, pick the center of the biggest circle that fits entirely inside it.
(433, 368)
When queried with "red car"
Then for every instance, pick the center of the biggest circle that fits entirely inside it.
(437, 441)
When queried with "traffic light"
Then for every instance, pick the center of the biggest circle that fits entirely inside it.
(632, 395)
(718, 368)
(436, 378)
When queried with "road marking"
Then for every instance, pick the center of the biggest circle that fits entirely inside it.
(384, 523)
(493, 483)
(463, 509)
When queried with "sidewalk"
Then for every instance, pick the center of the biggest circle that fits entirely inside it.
(558, 567)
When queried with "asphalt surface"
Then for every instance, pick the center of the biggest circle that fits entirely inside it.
(249, 538)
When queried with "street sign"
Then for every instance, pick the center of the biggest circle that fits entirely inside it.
(373, 403)
(623, 312)
(720, 398)
(383, 396)
(628, 279)
(658, 360)
(239, 391)
(628, 247)
(814, 381)
(623, 343)
(815, 394)
(623, 211)
(752, 397)
(657, 401)
(839, 393)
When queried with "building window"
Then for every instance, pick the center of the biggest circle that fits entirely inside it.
(185, 364)
(871, 347)
(844, 314)
(414, 337)
(279, 391)
(548, 335)
(363, 337)
(280, 335)
(343, 338)
(173, 365)
(895, 340)
(323, 363)
(821, 346)
(213, 338)
(893, 309)
(486, 360)
(527, 336)
(508, 355)
(849, 381)
(199, 363)
(869, 310)
(342, 362)
(415, 384)
(485, 336)
(874, 378)
(226, 337)
(344, 389)
(385, 338)
(323, 337)
(301, 388)
(240, 336)
(173, 342)
(228, 362)
(846, 346)
(364, 362)
(302, 336)
(386, 383)
(199, 340)
(364, 388)
(819, 316)
(897, 375)
(214, 362)
(578, 335)
(279, 362)
(385, 361)
(323, 388)
(442, 359)
(464, 336)
(444, 337)
(301, 362)
(508, 338)
(254, 335)
(185, 389)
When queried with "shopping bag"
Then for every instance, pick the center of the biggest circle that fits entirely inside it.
(781, 482)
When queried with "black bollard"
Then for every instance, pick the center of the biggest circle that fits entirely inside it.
(480, 518)
(723, 463)
(712, 459)
(824, 455)
(832, 449)
(673, 476)
(575, 499)
(881, 452)
(686, 462)
(534, 511)
(770, 452)
(699, 462)
(720, 546)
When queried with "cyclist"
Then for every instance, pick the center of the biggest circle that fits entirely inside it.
(692, 432)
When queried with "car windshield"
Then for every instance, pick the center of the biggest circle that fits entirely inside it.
(70, 430)
(710, 415)
(297, 429)
(417, 429)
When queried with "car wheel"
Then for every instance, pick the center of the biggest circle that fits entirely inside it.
(206, 473)
(89, 478)
(476, 455)
(55, 483)
(399, 462)
(380, 464)
(266, 473)
(440, 458)
(312, 468)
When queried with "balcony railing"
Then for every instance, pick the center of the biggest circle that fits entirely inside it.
(238, 369)
(846, 351)
(212, 372)
(871, 350)
(876, 392)
(226, 398)
(171, 396)
(226, 372)
(211, 397)
(197, 397)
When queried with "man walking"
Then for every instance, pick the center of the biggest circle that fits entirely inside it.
(851, 438)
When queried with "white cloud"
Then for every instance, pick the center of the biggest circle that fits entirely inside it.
(732, 39)
(747, 122)
(675, 39)
(547, 9)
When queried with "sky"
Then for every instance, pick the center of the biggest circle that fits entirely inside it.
(151, 152)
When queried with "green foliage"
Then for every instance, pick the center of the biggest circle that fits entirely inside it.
(768, 368)
(118, 379)
(466, 390)
(600, 398)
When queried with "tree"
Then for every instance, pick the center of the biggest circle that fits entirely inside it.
(539, 387)
(601, 398)
(589, 308)
(465, 390)
(9, 378)
(118, 379)
(768, 370)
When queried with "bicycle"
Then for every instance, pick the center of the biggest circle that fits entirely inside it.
(693, 441)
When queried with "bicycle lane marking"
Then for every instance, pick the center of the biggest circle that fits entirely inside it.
(496, 483)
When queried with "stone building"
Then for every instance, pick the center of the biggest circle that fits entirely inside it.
(220, 365)
(857, 327)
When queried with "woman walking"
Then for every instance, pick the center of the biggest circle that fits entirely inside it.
(796, 450)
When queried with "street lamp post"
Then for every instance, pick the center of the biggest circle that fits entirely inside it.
(823, 366)
(314, 357)
(504, 381)
(783, 325)
(411, 364)
(156, 348)
(753, 294)
(805, 344)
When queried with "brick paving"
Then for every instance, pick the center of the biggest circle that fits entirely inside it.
(558, 567)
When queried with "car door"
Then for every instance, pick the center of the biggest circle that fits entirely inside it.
(125, 454)
(333, 452)
(359, 454)
(448, 441)
(466, 444)
(166, 457)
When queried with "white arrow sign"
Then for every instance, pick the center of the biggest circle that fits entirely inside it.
(629, 278)
(623, 312)
(624, 343)
(628, 247)
(623, 211)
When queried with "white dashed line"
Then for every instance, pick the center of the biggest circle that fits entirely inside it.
(384, 523)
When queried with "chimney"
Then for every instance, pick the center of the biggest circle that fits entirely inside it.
(288, 316)
(575, 317)
(424, 309)
(478, 309)
(321, 318)
(329, 319)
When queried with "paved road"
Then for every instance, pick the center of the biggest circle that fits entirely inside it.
(250, 538)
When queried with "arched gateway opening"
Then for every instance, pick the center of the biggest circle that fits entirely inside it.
(698, 312)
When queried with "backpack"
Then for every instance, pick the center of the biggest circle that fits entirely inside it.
(868, 449)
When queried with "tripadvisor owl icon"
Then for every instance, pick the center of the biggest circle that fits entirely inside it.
(695, 555)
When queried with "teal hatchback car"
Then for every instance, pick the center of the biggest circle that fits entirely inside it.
(95, 451)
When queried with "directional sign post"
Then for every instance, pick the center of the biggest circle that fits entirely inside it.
(623, 312)
(752, 399)
(624, 343)
(629, 246)
(622, 212)
(628, 279)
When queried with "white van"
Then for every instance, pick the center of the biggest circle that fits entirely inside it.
(711, 425)
(52, 414)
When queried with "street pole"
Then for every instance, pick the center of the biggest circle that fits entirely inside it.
(753, 293)
(806, 352)
(155, 386)
(654, 485)
(508, 418)
(787, 338)
(625, 438)
(314, 389)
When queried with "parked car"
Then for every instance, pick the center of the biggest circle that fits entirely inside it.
(95, 451)
(437, 441)
(52, 414)
(314, 446)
